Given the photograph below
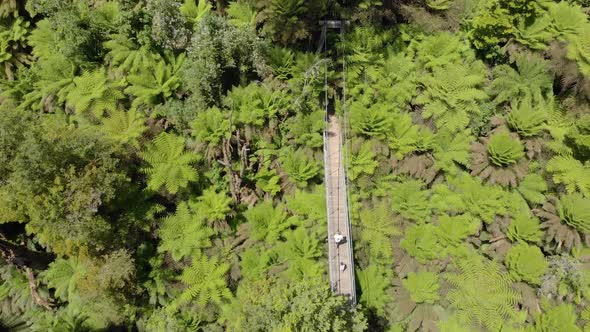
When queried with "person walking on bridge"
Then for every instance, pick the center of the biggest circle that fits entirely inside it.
(338, 238)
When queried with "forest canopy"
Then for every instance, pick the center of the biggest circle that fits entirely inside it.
(162, 164)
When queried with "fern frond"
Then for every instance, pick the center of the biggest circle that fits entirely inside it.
(299, 167)
(411, 201)
(423, 286)
(406, 137)
(452, 148)
(184, 233)
(151, 87)
(268, 223)
(124, 127)
(452, 94)
(241, 14)
(530, 81)
(526, 120)
(94, 94)
(169, 165)
(363, 162)
(205, 281)
(526, 262)
(482, 294)
(374, 283)
(195, 12)
(570, 172)
(524, 228)
(128, 57)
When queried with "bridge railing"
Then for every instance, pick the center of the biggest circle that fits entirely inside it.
(336, 214)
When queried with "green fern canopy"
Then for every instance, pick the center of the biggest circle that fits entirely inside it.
(423, 287)
(526, 262)
(503, 150)
(169, 165)
(574, 210)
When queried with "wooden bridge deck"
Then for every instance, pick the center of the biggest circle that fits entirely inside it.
(342, 282)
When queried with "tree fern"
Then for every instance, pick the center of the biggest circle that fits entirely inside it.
(302, 270)
(253, 104)
(482, 294)
(205, 282)
(411, 201)
(566, 19)
(195, 10)
(452, 94)
(423, 287)
(574, 211)
(579, 49)
(535, 35)
(94, 94)
(56, 79)
(282, 61)
(64, 319)
(373, 282)
(422, 242)
(504, 150)
(565, 219)
(532, 188)
(184, 233)
(439, 4)
(298, 166)
(241, 14)
(308, 204)
(395, 79)
(453, 230)
(499, 159)
(363, 162)
(13, 36)
(64, 275)
(406, 137)
(268, 223)
(43, 40)
(452, 149)
(301, 244)
(364, 46)
(7, 8)
(153, 86)
(255, 262)
(15, 293)
(306, 129)
(373, 121)
(210, 127)
(378, 226)
(570, 172)
(524, 228)
(214, 207)
(128, 57)
(439, 50)
(561, 318)
(124, 127)
(526, 262)
(526, 120)
(529, 82)
(268, 180)
(466, 194)
(169, 165)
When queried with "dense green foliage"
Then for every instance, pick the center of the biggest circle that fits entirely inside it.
(161, 164)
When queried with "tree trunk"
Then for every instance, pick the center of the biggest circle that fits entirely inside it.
(22, 257)
(27, 260)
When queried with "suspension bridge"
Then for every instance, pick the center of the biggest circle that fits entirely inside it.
(340, 252)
